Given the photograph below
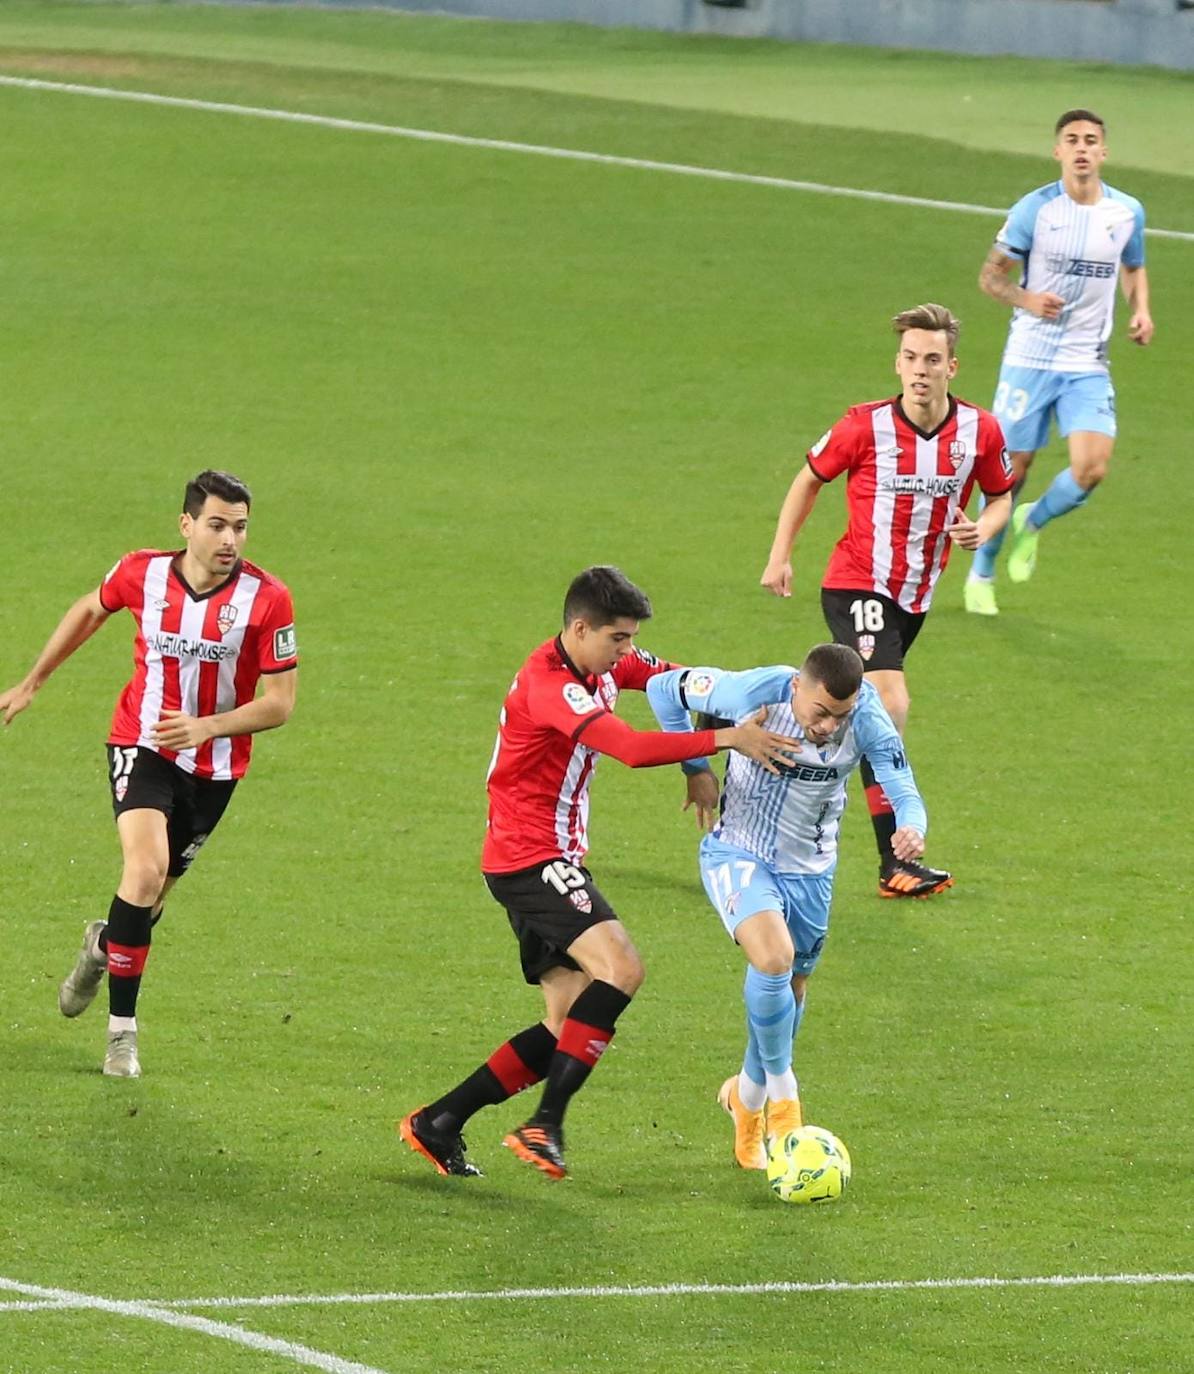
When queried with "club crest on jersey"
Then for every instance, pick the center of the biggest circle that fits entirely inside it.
(578, 699)
(581, 900)
(957, 451)
(226, 617)
(866, 646)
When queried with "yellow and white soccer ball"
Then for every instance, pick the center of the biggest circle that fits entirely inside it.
(808, 1165)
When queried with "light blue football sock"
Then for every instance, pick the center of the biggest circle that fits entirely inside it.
(983, 563)
(1062, 496)
(752, 1060)
(771, 1010)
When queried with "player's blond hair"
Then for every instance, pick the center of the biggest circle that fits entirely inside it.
(932, 317)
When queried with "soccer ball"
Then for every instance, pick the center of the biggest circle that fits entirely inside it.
(808, 1165)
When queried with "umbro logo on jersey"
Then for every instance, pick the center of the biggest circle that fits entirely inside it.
(160, 604)
(891, 451)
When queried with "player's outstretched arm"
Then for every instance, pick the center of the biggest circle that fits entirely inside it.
(994, 281)
(650, 748)
(797, 506)
(176, 730)
(75, 628)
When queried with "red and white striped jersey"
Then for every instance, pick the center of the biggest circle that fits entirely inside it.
(201, 654)
(903, 490)
(541, 768)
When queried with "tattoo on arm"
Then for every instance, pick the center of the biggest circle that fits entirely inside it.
(993, 279)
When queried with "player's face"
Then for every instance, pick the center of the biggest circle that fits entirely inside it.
(216, 536)
(925, 368)
(600, 647)
(817, 713)
(1080, 150)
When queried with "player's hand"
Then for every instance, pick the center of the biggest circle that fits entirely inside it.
(176, 730)
(703, 793)
(765, 746)
(1046, 305)
(907, 843)
(14, 701)
(1140, 328)
(964, 531)
(777, 578)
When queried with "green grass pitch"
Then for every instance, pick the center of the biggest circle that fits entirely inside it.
(453, 377)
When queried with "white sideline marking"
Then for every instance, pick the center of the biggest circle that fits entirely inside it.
(664, 1290)
(60, 1298)
(506, 146)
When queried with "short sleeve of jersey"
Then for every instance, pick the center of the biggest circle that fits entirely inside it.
(557, 701)
(836, 450)
(277, 646)
(1018, 228)
(1133, 254)
(116, 590)
(993, 464)
(635, 669)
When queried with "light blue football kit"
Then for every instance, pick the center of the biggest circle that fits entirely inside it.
(775, 847)
(1057, 369)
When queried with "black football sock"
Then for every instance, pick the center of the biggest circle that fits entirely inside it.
(520, 1062)
(127, 941)
(882, 815)
(584, 1038)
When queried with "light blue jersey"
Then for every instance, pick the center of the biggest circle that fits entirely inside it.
(1074, 251)
(791, 820)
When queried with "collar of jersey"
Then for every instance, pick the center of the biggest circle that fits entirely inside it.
(203, 596)
(588, 681)
(928, 434)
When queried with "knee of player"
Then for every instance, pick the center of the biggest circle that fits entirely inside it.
(143, 877)
(1091, 473)
(775, 961)
(628, 973)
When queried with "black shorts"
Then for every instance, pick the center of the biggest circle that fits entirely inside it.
(142, 780)
(549, 905)
(876, 626)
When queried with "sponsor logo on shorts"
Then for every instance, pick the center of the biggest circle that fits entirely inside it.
(121, 789)
(226, 617)
(285, 644)
(866, 645)
(581, 900)
(578, 699)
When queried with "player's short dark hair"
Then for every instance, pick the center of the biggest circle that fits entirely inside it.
(602, 595)
(932, 317)
(837, 667)
(213, 483)
(1079, 117)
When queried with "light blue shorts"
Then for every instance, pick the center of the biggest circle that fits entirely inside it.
(1028, 397)
(739, 884)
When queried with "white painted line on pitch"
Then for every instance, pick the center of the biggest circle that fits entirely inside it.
(290, 1350)
(506, 146)
(680, 1290)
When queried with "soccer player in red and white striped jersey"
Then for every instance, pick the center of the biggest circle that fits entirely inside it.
(556, 722)
(911, 463)
(210, 628)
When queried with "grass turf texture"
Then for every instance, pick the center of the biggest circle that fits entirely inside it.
(453, 377)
